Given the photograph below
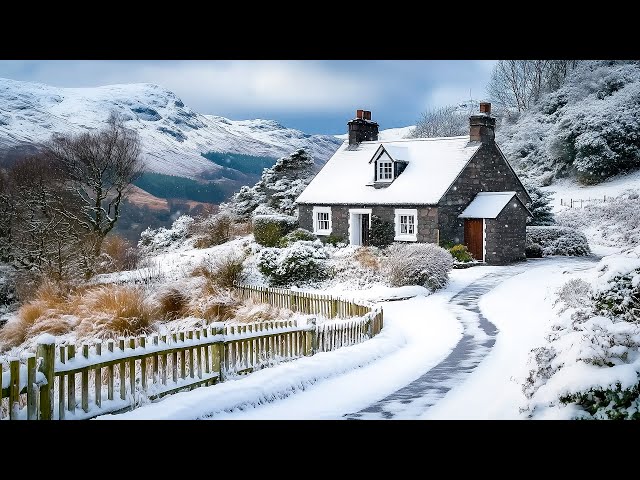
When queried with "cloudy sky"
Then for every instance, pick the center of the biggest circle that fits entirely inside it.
(312, 95)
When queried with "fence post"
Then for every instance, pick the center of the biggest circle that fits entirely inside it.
(14, 387)
(217, 354)
(46, 350)
(31, 388)
(308, 338)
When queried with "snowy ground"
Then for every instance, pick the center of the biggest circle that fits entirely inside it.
(569, 189)
(418, 334)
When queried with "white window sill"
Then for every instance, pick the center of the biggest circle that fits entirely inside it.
(406, 238)
(322, 232)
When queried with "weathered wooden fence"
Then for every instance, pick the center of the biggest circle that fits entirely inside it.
(59, 382)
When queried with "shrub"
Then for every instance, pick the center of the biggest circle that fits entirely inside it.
(333, 239)
(366, 256)
(418, 264)
(162, 238)
(214, 230)
(558, 240)
(533, 250)
(460, 253)
(269, 229)
(382, 232)
(222, 272)
(302, 262)
(118, 254)
(297, 235)
(172, 304)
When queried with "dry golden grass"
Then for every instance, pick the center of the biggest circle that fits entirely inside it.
(114, 310)
(365, 257)
(44, 314)
(249, 311)
(172, 304)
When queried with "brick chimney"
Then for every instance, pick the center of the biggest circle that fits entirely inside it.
(482, 126)
(361, 128)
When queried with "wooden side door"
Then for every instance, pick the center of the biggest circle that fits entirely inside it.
(473, 237)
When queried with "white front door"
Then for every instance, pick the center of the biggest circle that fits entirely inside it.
(355, 224)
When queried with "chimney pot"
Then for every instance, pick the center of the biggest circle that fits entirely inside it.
(361, 128)
(485, 107)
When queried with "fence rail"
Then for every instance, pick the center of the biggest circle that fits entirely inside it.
(62, 383)
(582, 202)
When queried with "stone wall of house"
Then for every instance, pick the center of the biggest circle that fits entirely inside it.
(427, 219)
(487, 172)
(505, 235)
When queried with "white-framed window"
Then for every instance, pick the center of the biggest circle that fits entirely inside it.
(406, 224)
(385, 170)
(322, 220)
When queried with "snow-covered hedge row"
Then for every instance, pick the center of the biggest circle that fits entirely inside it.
(557, 241)
(161, 239)
(423, 264)
(615, 222)
(591, 360)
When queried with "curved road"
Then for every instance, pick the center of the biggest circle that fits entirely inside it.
(477, 340)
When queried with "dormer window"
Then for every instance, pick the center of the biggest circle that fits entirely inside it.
(385, 170)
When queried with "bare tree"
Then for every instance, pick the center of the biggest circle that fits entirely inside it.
(518, 84)
(39, 236)
(445, 121)
(100, 167)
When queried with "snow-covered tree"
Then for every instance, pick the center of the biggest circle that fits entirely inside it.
(277, 189)
(540, 207)
(589, 127)
(100, 168)
(447, 121)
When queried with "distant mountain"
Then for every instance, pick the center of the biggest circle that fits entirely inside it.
(174, 137)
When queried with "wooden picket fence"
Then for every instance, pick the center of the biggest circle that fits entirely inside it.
(60, 383)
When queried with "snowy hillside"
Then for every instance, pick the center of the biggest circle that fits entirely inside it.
(173, 135)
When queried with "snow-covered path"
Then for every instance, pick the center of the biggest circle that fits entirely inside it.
(476, 342)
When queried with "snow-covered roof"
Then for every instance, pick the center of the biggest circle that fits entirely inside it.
(487, 205)
(433, 165)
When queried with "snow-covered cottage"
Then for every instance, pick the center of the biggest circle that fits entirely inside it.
(458, 189)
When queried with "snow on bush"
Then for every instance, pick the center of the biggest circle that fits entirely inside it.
(296, 235)
(557, 241)
(162, 239)
(422, 264)
(591, 358)
(269, 229)
(301, 263)
(589, 126)
(614, 223)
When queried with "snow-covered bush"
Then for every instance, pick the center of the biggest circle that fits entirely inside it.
(540, 207)
(589, 126)
(157, 240)
(382, 232)
(213, 230)
(532, 250)
(558, 240)
(302, 262)
(423, 264)
(269, 229)
(295, 236)
(591, 358)
(615, 222)
(334, 240)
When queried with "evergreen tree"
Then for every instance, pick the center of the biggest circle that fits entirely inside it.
(382, 232)
(277, 189)
(540, 207)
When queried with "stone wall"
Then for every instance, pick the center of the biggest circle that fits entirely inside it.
(427, 219)
(487, 172)
(505, 235)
